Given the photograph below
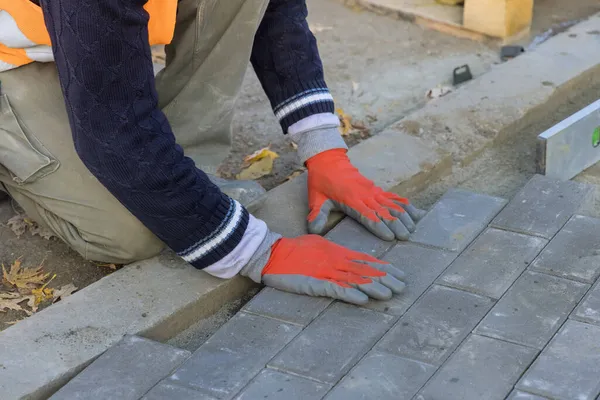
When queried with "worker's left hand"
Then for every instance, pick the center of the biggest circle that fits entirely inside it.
(335, 184)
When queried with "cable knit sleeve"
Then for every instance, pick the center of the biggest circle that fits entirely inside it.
(103, 58)
(286, 60)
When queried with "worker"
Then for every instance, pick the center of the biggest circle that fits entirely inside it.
(115, 161)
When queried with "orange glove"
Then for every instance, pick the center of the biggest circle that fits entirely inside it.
(335, 184)
(314, 266)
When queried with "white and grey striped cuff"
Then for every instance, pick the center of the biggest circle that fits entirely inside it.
(316, 134)
(240, 256)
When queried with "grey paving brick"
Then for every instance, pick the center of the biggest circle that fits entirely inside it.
(493, 262)
(421, 266)
(533, 309)
(457, 219)
(574, 252)
(289, 307)
(270, 384)
(436, 325)
(589, 309)
(544, 205)
(352, 235)
(125, 371)
(235, 354)
(171, 391)
(569, 367)
(382, 376)
(481, 368)
(518, 395)
(332, 343)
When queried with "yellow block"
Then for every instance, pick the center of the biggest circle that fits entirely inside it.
(499, 18)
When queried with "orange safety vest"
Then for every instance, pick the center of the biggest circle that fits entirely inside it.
(24, 38)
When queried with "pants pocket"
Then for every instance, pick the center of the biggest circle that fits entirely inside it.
(21, 153)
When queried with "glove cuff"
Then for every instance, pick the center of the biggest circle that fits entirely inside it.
(316, 134)
(253, 269)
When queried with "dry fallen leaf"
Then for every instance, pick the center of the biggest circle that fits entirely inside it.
(261, 154)
(438, 91)
(261, 164)
(63, 292)
(12, 301)
(294, 174)
(35, 229)
(17, 224)
(114, 267)
(345, 121)
(43, 293)
(20, 224)
(24, 279)
(257, 170)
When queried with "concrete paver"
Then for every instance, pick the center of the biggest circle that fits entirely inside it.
(476, 322)
(574, 253)
(544, 205)
(234, 355)
(533, 309)
(352, 235)
(289, 307)
(436, 325)
(569, 368)
(589, 309)
(171, 391)
(421, 266)
(124, 371)
(493, 262)
(518, 395)
(482, 368)
(330, 346)
(457, 219)
(270, 384)
(382, 376)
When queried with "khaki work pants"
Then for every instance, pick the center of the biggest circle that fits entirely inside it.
(39, 167)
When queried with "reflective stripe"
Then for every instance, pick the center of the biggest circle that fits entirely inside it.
(24, 38)
(10, 34)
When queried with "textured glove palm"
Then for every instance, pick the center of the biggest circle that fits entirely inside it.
(314, 266)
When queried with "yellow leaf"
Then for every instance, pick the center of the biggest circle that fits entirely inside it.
(23, 278)
(257, 170)
(261, 154)
(42, 294)
(346, 122)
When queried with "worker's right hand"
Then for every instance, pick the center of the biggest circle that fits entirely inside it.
(314, 266)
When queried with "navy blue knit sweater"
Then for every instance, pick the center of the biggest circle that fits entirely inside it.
(104, 63)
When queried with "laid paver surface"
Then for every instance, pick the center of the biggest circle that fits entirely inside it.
(488, 314)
